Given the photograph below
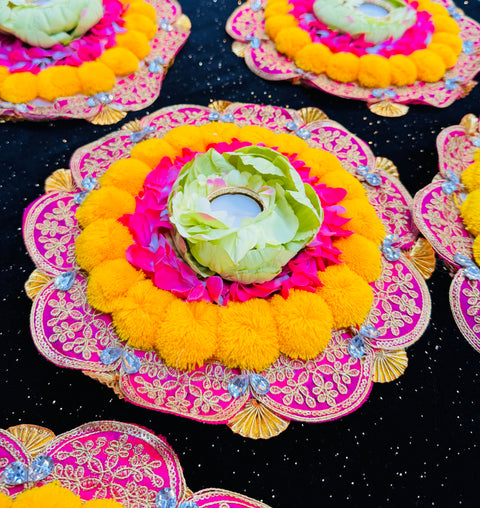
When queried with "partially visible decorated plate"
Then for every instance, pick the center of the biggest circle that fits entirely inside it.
(145, 282)
(103, 464)
(387, 53)
(446, 212)
(92, 59)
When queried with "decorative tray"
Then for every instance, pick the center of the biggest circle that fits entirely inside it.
(437, 213)
(310, 43)
(228, 353)
(99, 464)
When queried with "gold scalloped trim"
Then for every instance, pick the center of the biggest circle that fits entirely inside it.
(108, 116)
(111, 379)
(183, 23)
(389, 365)
(470, 122)
(256, 421)
(422, 257)
(36, 282)
(311, 114)
(467, 88)
(132, 126)
(60, 181)
(388, 166)
(388, 109)
(33, 437)
(219, 106)
(239, 48)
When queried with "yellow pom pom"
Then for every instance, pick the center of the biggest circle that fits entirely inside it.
(471, 176)
(470, 212)
(19, 87)
(256, 135)
(432, 7)
(313, 58)
(430, 66)
(215, 132)
(50, 495)
(346, 181)
(143, 8)
(320, 162)
(290, 41)
(136, 42)
(126, 174)
(140, 23)
(304, 323)
(343, 67)
(448, 39)
(374, 71)
(476, 155)
(188, 335)
(361, 255)
(347, 294)
(276, 8)
(111, 280)
(102, 503)
(3, 74)
(5, 501)
(58, 81)
(274, 24)
(96, 77)
(152, 151)
(186, 136)
(248, 336)
(105, 203)
(288, 143)
(402, 70)
(121, 60)
(138, 316)
(476, 250)
(101, 241)
(444, 23)
(445, 53)
(364, 220)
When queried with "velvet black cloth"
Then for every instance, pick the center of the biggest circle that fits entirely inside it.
(415, 442)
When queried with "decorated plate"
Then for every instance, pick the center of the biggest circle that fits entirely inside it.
(445, 212)
(99, 70)
(100, 464)
(135, 287)
(387, 53)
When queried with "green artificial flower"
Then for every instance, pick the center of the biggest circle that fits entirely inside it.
(378, 20)
(45, 23)
(251, 248)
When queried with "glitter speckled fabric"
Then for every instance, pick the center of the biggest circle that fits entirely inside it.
(415, 443)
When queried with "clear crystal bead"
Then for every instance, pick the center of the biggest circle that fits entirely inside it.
(137, 136)
(166, 498)
(369, 331)
(356, 346)
(15, 474)
(256, 5)
(391, 254)
(130, 363)
(390, 240)
(92, 101)
(472, 272)
(79, 197)
(42, 466)
(362, 170)
(110, 355)
(260, 385)
(462, 260)
(64, 281)
(255, 42)
(303, 134)
(214, 116)
(291, 126)
(238, 386)
(373, 179)
(89, 183)
(188, 504)
(228, 118)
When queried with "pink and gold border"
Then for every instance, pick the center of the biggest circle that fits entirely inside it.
(246, 26)
(437, 215)
(109, 460)
(68, 332)
(130, 93)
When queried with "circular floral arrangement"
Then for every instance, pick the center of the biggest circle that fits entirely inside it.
(53, 494)
(423, 52)
(158, 301)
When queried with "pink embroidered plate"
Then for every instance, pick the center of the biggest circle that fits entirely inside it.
(246, 26)
(130, 93)
(70, 333)
(437, 215)
(106, 459)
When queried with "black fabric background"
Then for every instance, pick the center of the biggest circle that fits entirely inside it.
(415, 442)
